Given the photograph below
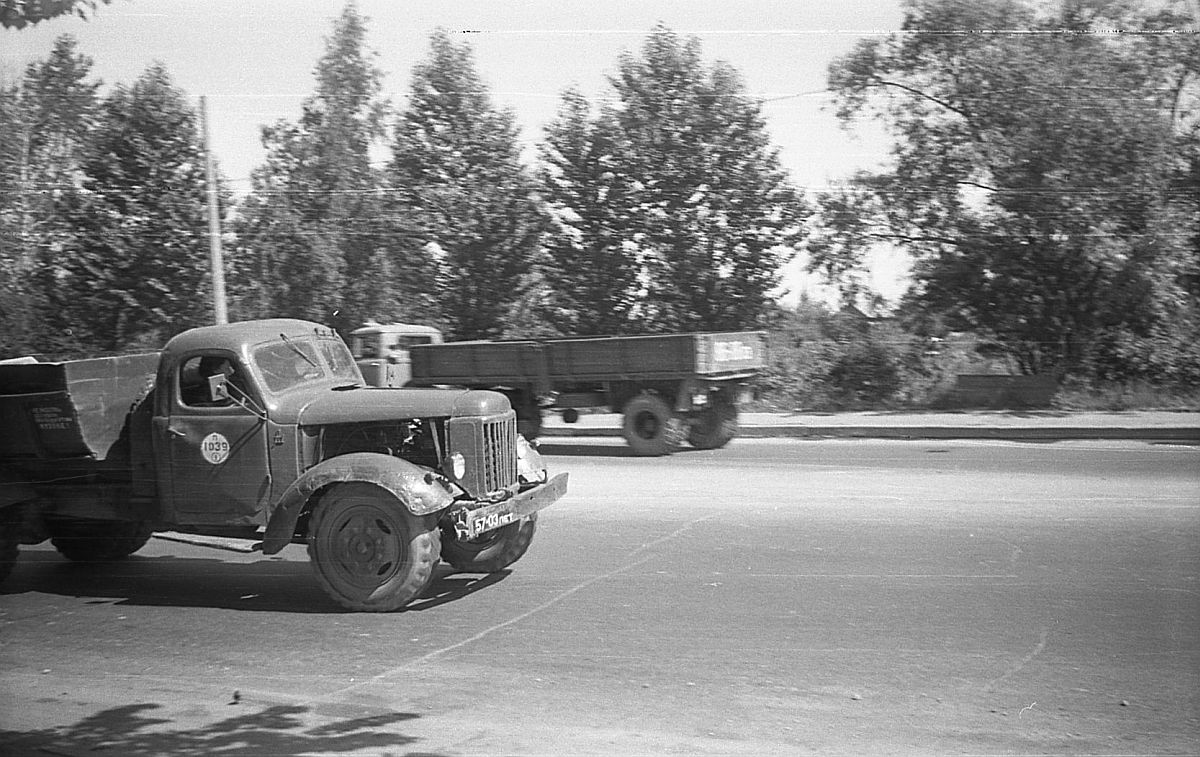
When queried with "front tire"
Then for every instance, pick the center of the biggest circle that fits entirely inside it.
(98, 541)
(493, 551)
(368, 551)
(650, 427)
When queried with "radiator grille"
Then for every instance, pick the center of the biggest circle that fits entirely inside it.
(499, 453)
(489, 446)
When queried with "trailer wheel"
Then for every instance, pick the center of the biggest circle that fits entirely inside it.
(368, 551)
(98, 540)
(493, 551)
(716, 425)
(650, 427)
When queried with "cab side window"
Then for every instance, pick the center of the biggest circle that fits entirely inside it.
(194, 376)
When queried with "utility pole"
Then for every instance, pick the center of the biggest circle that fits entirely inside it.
(215, 258)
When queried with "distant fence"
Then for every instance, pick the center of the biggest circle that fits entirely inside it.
(1001, 392)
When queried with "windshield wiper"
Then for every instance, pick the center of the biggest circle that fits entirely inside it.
(298, 351)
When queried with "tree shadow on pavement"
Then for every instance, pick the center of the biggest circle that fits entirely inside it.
(135, 731)
(266, 585)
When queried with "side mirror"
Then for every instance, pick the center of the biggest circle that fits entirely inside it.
(218, 388)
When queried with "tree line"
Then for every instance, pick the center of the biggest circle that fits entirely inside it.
(664, 210)
(1044, 177)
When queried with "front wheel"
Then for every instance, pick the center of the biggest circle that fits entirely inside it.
(98, 541)
(368, 551)
(493, 551)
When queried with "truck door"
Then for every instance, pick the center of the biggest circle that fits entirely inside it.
(219, 467)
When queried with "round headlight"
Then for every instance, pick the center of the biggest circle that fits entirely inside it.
(458, 465)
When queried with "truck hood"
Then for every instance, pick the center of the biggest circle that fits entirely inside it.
(378, 404)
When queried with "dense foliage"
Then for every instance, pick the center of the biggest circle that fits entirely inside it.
(17, 14)
(46, 120)
(133, 265)
(671, 206)
(104, 213)
(458, 188)
(1039, 178)
(311, 243)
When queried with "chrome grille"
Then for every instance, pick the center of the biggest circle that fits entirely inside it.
(489, 446)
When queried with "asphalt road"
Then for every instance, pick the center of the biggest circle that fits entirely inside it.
(775, 597)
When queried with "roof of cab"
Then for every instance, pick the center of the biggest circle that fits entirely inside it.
(235, 336)
(391, 328)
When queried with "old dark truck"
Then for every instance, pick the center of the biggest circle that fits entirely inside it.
(667, 387)
(265, 430)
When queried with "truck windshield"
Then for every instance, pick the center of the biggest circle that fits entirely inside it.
(340, 361)
(287, 364)
(290, 362)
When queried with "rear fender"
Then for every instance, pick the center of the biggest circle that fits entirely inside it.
(419, 489)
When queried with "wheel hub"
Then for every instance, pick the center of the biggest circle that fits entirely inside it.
(647, 425)
(364, 547)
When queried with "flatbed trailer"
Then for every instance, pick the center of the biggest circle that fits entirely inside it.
(668, 387)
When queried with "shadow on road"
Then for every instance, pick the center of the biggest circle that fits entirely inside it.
(548, 447)
(134, 731)
(449, 587)
(552, 446)
(268, 585)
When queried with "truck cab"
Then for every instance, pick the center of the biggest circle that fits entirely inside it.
(381, 350)
(267, 430)
(225, 416)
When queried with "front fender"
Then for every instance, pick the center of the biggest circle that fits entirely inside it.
(412, 484)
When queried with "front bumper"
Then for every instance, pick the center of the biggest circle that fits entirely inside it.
(469, 523)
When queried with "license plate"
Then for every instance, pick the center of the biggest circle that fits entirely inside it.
(473, 523)
(489, 522)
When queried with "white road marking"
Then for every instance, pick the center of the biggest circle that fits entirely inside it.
(516, 619)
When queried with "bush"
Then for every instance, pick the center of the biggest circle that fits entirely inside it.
(794, 377)
(1078, 394)
(817, 364)
(865, 374)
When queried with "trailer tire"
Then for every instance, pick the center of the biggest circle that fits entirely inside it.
(650, 427)
(493, 551)
(715, 426)
(368, 551)
(98, 541)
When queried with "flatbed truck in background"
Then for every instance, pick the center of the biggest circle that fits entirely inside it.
(668, 387)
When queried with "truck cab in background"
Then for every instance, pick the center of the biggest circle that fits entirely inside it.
(382, 351)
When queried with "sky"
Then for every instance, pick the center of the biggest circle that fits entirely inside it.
(253, 62)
